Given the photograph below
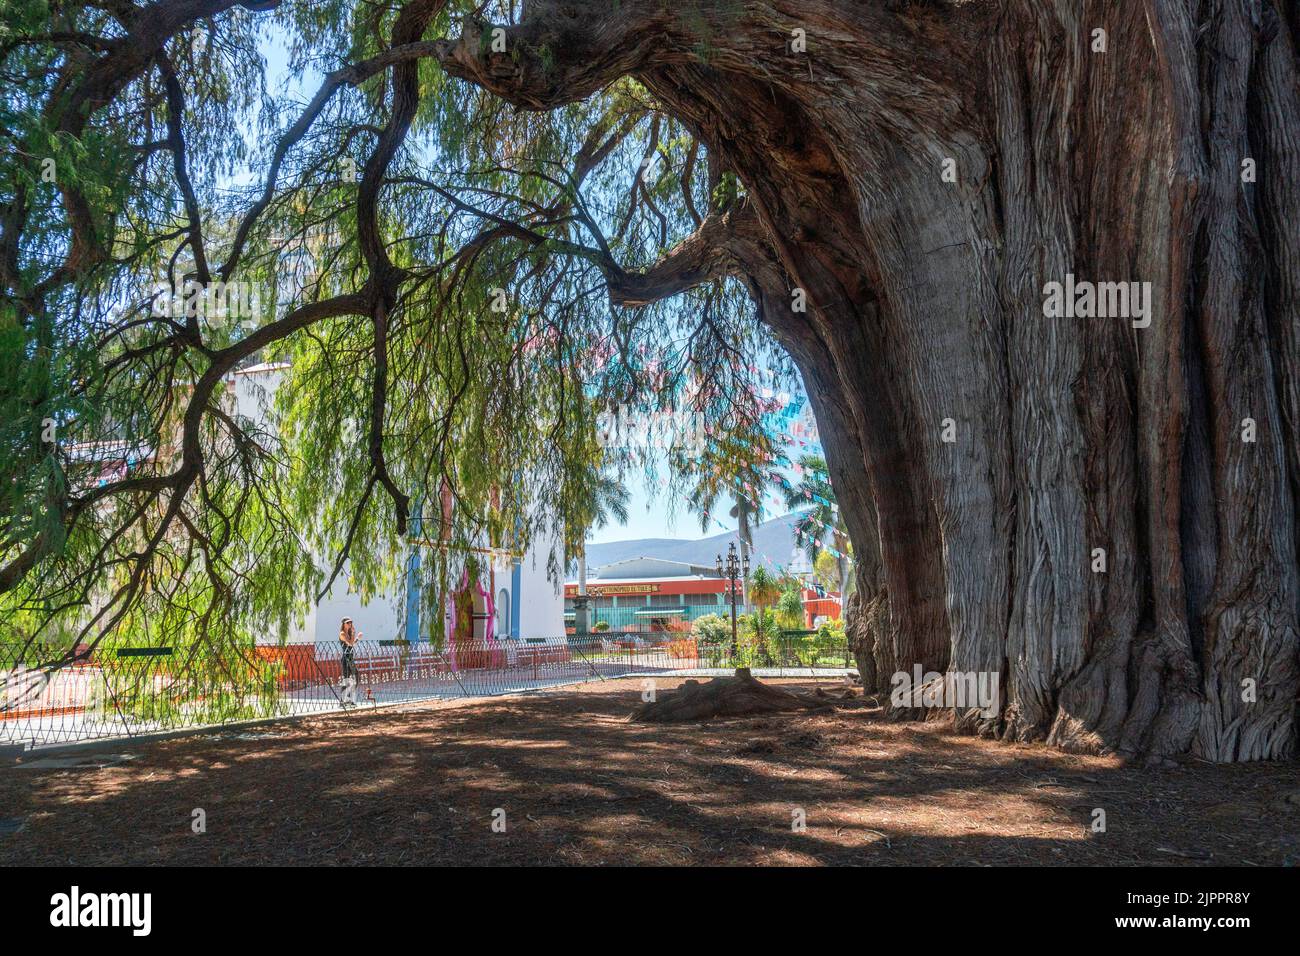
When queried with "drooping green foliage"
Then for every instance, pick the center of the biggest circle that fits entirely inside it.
(431, 268)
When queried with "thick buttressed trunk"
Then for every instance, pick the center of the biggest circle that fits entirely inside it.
(1100, 510)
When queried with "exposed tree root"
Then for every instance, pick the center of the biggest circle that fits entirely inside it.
(737, 696)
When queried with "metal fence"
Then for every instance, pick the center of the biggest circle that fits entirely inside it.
(667, 617)
(126, 692)
(640, 618)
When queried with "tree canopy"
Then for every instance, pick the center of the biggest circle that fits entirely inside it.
(459, 289)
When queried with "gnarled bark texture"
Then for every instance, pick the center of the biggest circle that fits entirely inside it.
(1150, 141)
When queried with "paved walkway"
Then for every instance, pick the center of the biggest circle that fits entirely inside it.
(103, 722)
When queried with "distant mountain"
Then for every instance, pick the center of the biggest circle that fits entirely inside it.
(774, 544)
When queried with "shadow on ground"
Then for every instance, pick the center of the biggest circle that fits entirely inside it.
(577, 784)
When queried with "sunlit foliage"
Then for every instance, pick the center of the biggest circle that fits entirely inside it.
(433, 266)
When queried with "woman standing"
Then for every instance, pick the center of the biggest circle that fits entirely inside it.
(348, 637)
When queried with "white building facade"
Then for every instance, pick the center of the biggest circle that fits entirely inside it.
(514, 601)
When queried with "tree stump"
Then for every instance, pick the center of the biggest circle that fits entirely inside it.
(737, 696)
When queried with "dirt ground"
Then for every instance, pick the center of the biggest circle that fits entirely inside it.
(579, 785)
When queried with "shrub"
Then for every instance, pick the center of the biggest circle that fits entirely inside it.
(831, 632)
(684, 649)
(789, 610)
(711, 629)
(830, 639)
(712, 635)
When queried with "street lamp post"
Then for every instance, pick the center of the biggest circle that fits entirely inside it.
(733, 570)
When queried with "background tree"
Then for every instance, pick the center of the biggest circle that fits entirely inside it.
(735, 468)
(819, 525)
(607, 500)
(764, 589)
(789, 609)
(827, 571)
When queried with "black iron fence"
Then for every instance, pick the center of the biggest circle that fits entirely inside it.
(640, 618)
(127, 692)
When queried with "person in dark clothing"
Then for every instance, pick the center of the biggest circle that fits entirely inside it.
(348, 637)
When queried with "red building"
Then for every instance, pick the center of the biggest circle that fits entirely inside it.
(653, 594)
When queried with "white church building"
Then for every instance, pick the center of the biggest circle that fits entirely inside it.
(516, 603)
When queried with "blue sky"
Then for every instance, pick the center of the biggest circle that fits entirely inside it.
(654, 513)
(660, 516)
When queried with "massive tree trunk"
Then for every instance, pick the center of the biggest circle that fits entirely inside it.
(1098, 509)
